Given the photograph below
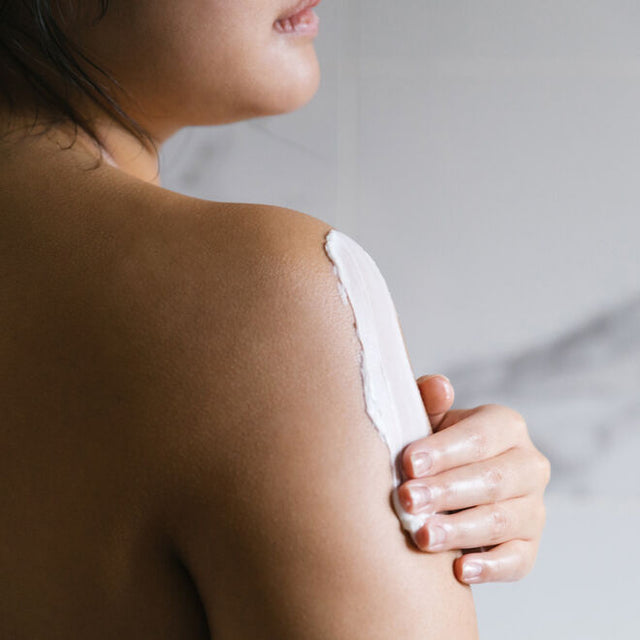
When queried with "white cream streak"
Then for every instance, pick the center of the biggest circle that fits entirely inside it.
(391, 393)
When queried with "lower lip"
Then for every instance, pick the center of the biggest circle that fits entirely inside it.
(304, 23)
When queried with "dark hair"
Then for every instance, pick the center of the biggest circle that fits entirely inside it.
(36, 53)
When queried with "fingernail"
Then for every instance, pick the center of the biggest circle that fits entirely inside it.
(437, 536)
(471, 571)
(420, 463)
(418, 497)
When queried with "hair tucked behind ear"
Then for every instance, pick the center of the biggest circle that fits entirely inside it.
(37, 56)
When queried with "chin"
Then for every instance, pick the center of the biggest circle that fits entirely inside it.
(286, 93)
(293, 97)
(282, 86)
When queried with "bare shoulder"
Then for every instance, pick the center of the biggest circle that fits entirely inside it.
(281, 487)
(240, 299)
(219, 307)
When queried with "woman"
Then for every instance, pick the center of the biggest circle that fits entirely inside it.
(179, 458)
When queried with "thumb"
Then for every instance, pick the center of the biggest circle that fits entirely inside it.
(437, 396)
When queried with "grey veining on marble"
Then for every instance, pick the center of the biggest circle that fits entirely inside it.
(580, 395)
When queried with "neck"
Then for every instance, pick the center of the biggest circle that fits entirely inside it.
(122, 150)
(126, 153)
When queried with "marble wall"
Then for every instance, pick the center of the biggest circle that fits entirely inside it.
(486, 155)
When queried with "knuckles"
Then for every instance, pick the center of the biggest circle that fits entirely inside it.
(515, 420)
(519, 423)
(499, 525)
(492, 479)
(545, 469)
(478, 444)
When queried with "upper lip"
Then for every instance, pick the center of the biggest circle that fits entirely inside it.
(301, 5)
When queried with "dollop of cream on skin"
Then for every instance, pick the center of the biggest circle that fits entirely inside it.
(392, 398)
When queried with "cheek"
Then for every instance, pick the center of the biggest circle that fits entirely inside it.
(249, 69)
(209, 61)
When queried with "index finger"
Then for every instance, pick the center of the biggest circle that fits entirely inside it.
(486, 432)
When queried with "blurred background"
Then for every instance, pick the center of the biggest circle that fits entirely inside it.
(487, 155)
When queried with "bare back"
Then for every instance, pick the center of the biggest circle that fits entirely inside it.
(83, 552)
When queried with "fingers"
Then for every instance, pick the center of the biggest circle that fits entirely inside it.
(484, 433)
(437, 396)
(512, 474)
(493, 524)
(506, 562)
(482, 480)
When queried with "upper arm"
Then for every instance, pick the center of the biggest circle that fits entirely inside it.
(284, 515)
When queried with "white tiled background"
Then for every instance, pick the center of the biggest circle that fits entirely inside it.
(487, 155)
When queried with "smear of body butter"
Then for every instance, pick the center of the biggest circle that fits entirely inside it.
(392, 397)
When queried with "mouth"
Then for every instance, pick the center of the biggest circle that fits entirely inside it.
(299, 19)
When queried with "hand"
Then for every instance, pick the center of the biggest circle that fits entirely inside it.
(487, 477)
